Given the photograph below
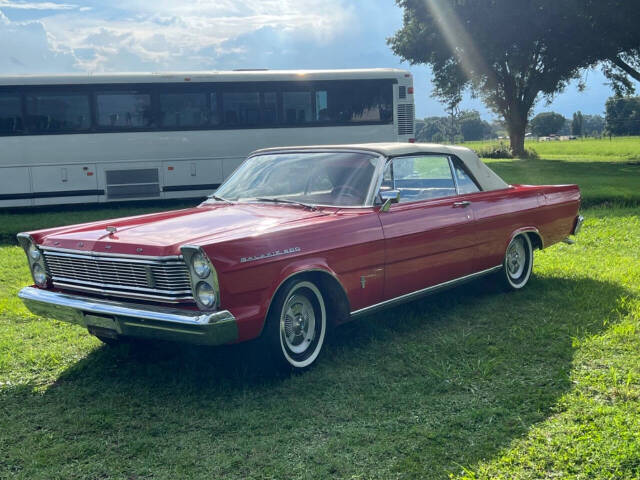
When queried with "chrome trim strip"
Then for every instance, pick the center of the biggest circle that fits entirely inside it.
(124, 293)
(419, 293)
(453, 174)
(104, 254)
(72, 281)
(134, 320)
(113, 258)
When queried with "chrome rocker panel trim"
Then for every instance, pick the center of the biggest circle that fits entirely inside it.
(421, 293)
(133, 320)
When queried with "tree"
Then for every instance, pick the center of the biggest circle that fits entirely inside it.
(512, 52)
(433, 129)
(623, 116)
(577, 124)
(593, 125)
(547, 123)
(472, 127)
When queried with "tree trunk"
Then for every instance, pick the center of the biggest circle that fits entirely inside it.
(516, 137)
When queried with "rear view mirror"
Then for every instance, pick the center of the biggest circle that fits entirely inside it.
(388, 197)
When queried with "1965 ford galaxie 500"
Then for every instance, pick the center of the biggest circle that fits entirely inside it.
(297, 241)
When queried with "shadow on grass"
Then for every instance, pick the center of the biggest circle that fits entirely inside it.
(415, 391)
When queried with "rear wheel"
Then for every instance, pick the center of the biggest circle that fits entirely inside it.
(296, 325)
(518, 263)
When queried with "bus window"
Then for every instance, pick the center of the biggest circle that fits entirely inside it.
(269, 108)
(214, 115)
(57, 112)
(10, 114)
(297, 107)
(355, 102)
(322, 110)
(124, 110)
(241, 108)
(183, 110)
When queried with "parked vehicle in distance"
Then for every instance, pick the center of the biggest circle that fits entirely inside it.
(298, 240)
(111, 137)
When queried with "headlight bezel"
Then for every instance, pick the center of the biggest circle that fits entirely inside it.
(190, 254)
(29, 246)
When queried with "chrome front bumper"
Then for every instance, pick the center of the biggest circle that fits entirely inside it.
(112, 318)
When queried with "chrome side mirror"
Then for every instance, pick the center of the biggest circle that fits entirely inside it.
(388, 197)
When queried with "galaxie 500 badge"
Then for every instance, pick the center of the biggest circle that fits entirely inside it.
(270, 254)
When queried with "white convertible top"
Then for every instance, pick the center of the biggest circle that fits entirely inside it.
(486, 177)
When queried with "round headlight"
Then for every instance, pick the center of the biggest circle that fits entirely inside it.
(200, 265)
(34, 253)
(39, 275)
(206, 295)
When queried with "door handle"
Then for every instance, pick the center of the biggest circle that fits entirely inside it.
(463, 204)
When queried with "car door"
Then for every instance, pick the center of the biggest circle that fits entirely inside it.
(428, 234)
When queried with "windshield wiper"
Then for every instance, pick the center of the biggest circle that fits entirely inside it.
(220, 199)
(281, 200)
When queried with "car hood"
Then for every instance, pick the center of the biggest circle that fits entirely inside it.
(163, 233)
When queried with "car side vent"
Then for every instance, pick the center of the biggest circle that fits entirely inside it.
(405, 119)
(402, 91)
(135, 183)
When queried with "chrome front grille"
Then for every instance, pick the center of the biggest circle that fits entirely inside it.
(163, 278)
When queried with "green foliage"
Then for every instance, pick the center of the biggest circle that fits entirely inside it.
(593, 125)
(547, 123)
(623, 116)
(466, 125)
(472, 126)
(493, 150)
(577, 124)
(509, 52)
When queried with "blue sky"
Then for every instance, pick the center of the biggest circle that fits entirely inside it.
(143, 35)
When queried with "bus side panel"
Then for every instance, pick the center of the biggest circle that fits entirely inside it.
(15, 186)
(67, 183)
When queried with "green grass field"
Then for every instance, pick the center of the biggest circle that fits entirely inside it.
(618, 149)
(471, 383)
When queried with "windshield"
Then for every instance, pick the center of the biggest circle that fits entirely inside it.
(311, 178)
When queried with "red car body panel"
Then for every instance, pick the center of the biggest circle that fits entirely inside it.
(374, 255)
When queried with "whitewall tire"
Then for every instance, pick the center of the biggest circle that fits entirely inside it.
(296, 326)
(518, 262)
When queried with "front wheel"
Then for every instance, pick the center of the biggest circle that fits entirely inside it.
(518, 263)
(296, 325)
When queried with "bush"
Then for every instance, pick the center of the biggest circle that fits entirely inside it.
(503, 151)
(494, 151)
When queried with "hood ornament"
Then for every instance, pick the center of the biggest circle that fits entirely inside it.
(111, 230)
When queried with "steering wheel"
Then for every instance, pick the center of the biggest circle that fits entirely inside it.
(348, 191)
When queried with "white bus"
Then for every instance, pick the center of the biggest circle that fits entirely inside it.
(113, 137)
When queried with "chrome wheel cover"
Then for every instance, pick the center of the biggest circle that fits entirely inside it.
(516, 260)
(298, 325)
(302, 324)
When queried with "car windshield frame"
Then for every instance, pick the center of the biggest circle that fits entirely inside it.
(378, 161)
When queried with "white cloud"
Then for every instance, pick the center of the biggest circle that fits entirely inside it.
(26, 49)
(169, 35)
(36, 5)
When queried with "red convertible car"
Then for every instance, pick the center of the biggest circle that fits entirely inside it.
(297, 241)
